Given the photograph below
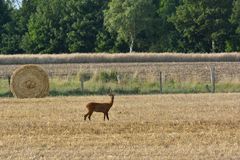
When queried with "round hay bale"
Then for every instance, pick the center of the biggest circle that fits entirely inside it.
(29, 81)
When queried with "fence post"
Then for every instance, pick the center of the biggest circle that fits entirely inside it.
(213, 78)
(118, 79)
(9, 80)
(161, 84)
(82, 85)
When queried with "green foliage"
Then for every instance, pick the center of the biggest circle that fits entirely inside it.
(83, 76)
(104, 42)
(167, 37)
(204, 24)
(47, 28)
(108, 42)
(56, 26)
(106, 76)
(10, 40)
(16, 26)
(28, 8)
(235, 21)
(129, 18)
(85, 19)
(5, 20)
(64, 26)
(5, 14)
(235, 18)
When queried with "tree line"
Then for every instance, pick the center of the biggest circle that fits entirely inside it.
(60, 26)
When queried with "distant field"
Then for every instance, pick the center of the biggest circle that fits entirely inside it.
(117, 58)
(199, 126)
(179, 72)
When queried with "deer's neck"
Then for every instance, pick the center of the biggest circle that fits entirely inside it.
(112, 100)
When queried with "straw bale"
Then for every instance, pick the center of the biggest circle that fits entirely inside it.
(30, 81)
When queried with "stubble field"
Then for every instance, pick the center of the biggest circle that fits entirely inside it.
(192, 126)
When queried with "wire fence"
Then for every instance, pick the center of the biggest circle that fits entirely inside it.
(161, 82)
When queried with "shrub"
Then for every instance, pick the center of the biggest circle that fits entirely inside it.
(84, 76)
(107, 77)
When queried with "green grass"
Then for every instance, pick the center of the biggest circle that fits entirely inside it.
(99, 85)
(73, 87)
(4, 88)
(228, 87)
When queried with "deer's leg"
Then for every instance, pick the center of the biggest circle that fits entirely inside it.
(107, 115)
(104, 116)
(89, 115)
(85, 116)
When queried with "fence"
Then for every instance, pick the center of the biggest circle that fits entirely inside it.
(137, 80)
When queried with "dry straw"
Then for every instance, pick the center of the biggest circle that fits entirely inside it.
(30, 81)
(117, 58)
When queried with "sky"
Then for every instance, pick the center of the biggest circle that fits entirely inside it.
(17, 3)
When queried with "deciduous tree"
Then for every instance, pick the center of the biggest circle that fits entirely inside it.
(129, 18)
(204, 24)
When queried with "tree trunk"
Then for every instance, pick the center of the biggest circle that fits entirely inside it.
(131, 45)
(213, 78)
(213, 46)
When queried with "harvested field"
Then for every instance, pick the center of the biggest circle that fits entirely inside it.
(182, 72)
(200, 126)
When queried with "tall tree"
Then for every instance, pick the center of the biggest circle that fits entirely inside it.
(235, 21)
(107, 41)
(85, 19)
(166, 36)
(5, 26)
(129, 18)
(204, 24)
(16, 25)
(47, 28)
(5, 14)
(27, 9)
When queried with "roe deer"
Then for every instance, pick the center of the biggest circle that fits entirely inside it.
(99, 107)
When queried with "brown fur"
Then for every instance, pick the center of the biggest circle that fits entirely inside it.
(99, 107)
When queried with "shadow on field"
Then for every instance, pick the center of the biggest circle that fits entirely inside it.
(78, 92)
(102, 91)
